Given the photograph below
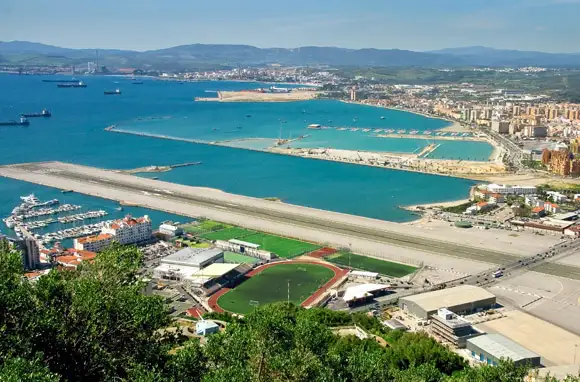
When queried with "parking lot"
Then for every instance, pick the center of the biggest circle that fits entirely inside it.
(552, 298)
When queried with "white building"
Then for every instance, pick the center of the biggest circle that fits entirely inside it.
(557, 197)
(130, 230)
(170, 230)
(94, 243)
(515, 190)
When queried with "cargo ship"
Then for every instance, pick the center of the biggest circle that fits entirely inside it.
(44, 113)
(63, 81)
(112, 92)
(75, 84)
(22, 122)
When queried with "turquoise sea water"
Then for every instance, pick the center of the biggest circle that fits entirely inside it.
(213, 121)
(75, 134)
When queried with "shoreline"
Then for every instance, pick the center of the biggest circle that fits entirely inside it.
(379, 160)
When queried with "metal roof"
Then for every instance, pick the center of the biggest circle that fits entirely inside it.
(394, 324)
(244, 243)
(502, 347)
(362, 291)
(450, 297)
(192, 256)
(216, 270)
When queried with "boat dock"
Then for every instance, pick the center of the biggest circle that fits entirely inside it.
(49, 211)
(81, 217)
(72, 233)
(411, 133)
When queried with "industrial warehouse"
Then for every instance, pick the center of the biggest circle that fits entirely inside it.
(462, 299)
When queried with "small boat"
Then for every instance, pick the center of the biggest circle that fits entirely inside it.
(113, 92)
(137, 82)
(248, 115)
(66, 191)
(238, 127)
(382, 117)
(119, 208)
(30, 199)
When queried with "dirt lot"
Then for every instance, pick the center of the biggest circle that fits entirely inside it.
(555, 345)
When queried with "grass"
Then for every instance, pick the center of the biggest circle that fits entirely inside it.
(204, 226)
(371, 264)
(458, 209)
(271, 285)
(281, 246)
(236, 258)
(228, 234)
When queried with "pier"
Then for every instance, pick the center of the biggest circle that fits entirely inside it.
(397, 133)
(49, 211)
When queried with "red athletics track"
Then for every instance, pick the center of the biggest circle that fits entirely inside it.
(338, 274)
(322, 252)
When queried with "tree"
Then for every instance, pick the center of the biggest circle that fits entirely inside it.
(95, 324)
(22, 370)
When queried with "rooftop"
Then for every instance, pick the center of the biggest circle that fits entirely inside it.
(193, 257)
(216, 270)
(362, 291)
(502, 347)
(450, 297)
(244, 243)
(94, 238)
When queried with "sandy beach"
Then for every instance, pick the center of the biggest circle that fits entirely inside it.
(248, 96)
(399, 161)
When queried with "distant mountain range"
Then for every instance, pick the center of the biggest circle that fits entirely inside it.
(207, 55)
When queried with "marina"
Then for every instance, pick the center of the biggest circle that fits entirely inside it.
(407, 133)
(25, 222)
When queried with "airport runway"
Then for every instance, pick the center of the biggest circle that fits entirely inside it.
(280, 218)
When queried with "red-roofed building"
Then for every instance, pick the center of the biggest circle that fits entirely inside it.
(495, 198)
(552, 208)
(94, 243)
(71, 258)
(538, 212)
(130, 230)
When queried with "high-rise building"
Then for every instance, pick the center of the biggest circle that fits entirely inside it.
(517, 110)
(502, 127)
(554, 113)
(30, 253)
(353, 94)
(561, 162)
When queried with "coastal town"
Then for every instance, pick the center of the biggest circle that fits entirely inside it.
(492, 279)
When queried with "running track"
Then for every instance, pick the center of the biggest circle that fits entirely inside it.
(338, 274)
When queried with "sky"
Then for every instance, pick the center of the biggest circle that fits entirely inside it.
(421, 25)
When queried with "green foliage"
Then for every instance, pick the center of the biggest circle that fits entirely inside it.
(94, 324)
(458, 209)
(23, 370)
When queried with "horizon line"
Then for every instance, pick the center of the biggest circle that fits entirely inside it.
(430, 51)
